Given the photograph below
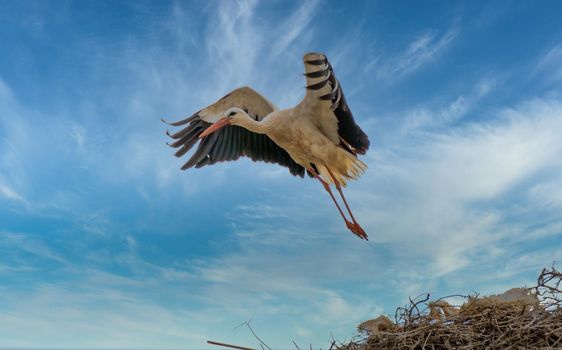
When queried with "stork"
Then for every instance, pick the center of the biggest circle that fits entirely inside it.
(318, 136)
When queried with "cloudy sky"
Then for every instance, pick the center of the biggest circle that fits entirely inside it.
(106, 243)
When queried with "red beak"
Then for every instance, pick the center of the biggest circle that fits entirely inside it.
(215, 127)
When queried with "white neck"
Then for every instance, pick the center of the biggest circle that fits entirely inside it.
(244, 120)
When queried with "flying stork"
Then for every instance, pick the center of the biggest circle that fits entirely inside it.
(318, 136)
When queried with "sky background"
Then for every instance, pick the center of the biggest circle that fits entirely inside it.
(106, 243)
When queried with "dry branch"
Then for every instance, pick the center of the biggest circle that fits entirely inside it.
(228, 345)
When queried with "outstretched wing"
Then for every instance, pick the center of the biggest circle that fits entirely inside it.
(230, 142)
(326, 104)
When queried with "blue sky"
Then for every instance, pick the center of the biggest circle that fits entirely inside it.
(105, 243)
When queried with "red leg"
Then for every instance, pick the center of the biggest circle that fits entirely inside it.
(329, 190)
(352, 226)
(338, 187)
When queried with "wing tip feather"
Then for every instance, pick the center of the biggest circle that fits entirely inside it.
(347, 127)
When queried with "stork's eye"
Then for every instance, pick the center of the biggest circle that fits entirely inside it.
(231, 114)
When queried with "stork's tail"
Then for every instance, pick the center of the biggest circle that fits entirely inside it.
(349, 169)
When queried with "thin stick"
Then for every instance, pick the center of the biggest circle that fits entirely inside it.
(296, 346)
(228, 345)
(247, 323)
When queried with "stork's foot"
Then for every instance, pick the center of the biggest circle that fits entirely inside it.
(357, 230)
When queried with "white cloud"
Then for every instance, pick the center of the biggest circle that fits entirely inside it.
(10, 193)
(547, 194)
(18, 242)
(295, 273)
(551, 64)
(70, 314)
(422, 50)
(423, 117)
(78, 134)
(482, 161)
(12, 177)
(294, 26)
(441, 199)
(232, 39)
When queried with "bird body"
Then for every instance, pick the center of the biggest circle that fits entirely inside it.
(318, 136)
(307, 144)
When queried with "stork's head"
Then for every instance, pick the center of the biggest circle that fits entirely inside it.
(231, 116)
(235, 116)
(233, 112)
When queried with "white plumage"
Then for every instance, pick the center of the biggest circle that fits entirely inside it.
(318, 136)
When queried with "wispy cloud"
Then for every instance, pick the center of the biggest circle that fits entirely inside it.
(435, 212)
(233, 39)
(18, 242)
(421, 51)
(10, 193)
(424, 117)
(62, 315)
(548, 193)
(299, 271)
(551, 63)
(294, 26)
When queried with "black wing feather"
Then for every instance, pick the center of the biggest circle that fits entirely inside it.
(347, 128)
(226, 144)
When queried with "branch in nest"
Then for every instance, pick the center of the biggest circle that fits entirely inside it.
(549, 287)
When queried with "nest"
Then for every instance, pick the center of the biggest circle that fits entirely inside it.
(521, 318)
